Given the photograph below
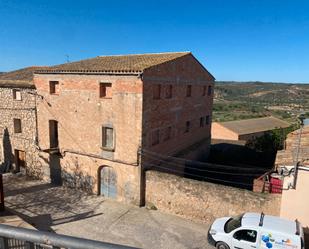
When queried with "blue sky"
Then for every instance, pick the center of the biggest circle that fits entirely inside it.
(265, 40)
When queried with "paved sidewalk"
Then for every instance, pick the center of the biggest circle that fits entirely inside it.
(72, 212)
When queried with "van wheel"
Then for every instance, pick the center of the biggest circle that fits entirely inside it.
(222, 245)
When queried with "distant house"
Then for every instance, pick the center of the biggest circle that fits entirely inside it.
(246, 129)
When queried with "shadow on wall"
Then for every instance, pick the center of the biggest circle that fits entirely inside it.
(7, 152)
(69, 174)
(53, 163)
(55, 169)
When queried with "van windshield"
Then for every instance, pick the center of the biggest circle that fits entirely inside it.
(233, 223)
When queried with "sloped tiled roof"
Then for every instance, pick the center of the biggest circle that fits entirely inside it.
(254, 125)
(116, 63)
(19, 78)
(24, 74)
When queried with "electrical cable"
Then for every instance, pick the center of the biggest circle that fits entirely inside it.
(216, 166)
(199, 176)
(205, 170)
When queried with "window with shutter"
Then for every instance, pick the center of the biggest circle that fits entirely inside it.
(108, 138)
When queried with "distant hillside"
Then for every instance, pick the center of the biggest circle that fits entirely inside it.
(241, 100)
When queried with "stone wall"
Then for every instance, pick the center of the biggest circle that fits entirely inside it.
(288, 156)
(25, 110)
(204, 201)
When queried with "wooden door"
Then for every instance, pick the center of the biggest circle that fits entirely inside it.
(108, 182)
(20, 159)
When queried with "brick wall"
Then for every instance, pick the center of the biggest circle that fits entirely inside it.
(175, 111)
(204, 201)
(81, 113)
(220, 132)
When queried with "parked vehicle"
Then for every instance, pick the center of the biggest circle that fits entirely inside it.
(253, 230)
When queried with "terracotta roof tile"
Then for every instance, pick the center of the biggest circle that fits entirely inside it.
(24, 74)
(116, 63)
(254, 125)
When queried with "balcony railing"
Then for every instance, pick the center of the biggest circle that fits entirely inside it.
(22, 238)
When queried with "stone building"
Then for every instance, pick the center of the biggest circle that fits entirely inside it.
(18, 131)
(96, 115)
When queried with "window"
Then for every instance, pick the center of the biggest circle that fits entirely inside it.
(168, 133)
(16, 94)
(207, 120)
(53, 134)
(209, 90)
(54, 87)
(246, 235)
(105, 90)
(17, 125)
(189, 91)
(188, 124)
(156, 91)
(108, 138)
(201, 121)
(155, 137)
(204, 90)
(169, 91)
(233, 223)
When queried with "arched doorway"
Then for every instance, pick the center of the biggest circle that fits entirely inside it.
(107, 185)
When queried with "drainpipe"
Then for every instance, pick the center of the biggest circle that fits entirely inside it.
(301, 118)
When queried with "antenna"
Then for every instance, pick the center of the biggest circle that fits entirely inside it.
(67, 58)
(261, 219)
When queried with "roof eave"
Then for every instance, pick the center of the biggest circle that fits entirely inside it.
(123, 72)
(16, 84)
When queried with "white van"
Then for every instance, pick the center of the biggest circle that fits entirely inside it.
(253, 230)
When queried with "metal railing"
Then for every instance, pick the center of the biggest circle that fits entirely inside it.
(23, 238)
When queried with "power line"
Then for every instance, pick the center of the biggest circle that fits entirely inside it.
(199, 176)
(216, 166)
(205, 170)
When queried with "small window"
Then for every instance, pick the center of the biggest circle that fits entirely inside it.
(105, 90)
(204, 90)
(246, 235)
(188, 124)
(202, 122)
(54, 87)
(155, 137)
(207, 120)
(168, 133)
(156, 91)
(169, 91)
(108, 138)
(16, 94)
(209, 90)
(17, 125)
(189, 91)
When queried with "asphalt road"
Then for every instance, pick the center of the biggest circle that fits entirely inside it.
(72, 212)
